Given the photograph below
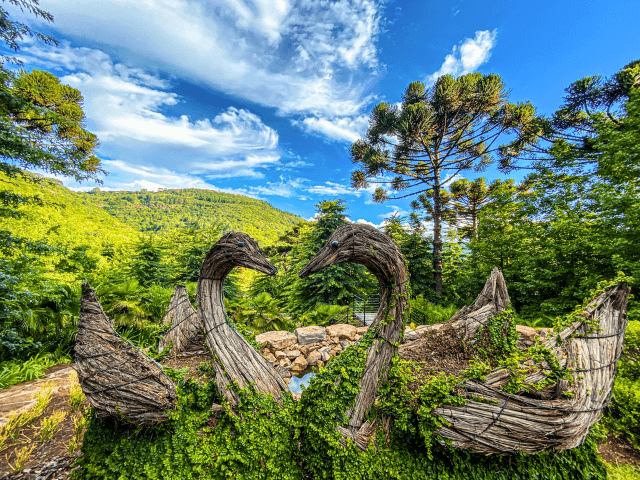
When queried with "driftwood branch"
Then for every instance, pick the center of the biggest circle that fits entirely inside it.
(118, 379)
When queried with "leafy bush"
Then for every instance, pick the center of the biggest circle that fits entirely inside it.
(625, 410)
(629, 366)
(16, 371)
(423, 312)
(142, 334)
(320, 315)
(624, 414)
(264, 440)
(257, 442)
(623, 472)
(261, 313)
(13, 345)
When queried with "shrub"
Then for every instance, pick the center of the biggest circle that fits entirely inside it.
(625, 410)
(321, 314)
(629, 366)
(423, 312)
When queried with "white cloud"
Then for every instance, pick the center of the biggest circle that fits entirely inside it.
(299, 57)
(331, 188)
(346, 129)
(125, 176)
(396, 210)
(468, 56)
(362, 221)
(286, 187)
(124, 107)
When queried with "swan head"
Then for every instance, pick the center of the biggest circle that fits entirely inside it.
(348, 243)
(236, 249)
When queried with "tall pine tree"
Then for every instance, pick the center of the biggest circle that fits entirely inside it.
(332, 286)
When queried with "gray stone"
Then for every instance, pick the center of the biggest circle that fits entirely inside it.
(342, 331)
(299, 364)
(293, 354)
(309, 335)
(277, 340)
(285, 362)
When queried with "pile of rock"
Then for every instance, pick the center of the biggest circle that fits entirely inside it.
(295, 353)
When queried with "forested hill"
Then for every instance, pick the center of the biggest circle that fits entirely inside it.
(169, 209)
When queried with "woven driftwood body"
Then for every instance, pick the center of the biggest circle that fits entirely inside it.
(185, 329)
(493, 299)
(375, 250)
(118, 379)
(510, 423)
(233, 358)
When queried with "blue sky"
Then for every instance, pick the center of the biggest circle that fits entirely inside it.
(264, 97)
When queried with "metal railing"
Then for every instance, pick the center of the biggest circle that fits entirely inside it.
(361, 311)
(365, 308)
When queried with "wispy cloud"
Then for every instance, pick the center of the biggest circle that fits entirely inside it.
(125, 109)
(299, 57)
(345, 129)
(468, 56)
(333, 189)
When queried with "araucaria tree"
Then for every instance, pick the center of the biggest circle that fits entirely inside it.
(41, 119)
(469, 197)
(436, 133)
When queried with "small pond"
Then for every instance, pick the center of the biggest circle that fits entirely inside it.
(295, 384)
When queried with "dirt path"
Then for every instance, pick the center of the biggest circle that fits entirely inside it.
(20, 397)
(50, 458)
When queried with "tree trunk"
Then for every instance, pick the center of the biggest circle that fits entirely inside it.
(474, 220)
(437, 233)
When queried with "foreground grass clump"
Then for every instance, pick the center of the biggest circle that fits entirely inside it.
(623, 472)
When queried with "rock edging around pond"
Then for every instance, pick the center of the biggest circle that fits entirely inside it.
(314, 346)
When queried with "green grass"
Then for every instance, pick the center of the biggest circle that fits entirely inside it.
(13, 372)
(622, 472)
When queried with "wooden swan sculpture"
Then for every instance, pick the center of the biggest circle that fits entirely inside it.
(505, 423)
(118, 379)
(121, 381)
(368, 246)
(234, 359)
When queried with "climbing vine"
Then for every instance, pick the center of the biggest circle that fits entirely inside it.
(263, 439)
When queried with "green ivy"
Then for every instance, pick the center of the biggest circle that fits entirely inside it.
(263, 439)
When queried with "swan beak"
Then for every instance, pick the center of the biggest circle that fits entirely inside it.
(261, 265)
(323, 259)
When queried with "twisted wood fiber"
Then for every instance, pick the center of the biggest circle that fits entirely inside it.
(375, 250)
(511, 423)
(118, 379)
(234, 360)
(185, 325)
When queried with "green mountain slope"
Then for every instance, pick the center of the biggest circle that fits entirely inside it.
(168, 209)
(62, 220)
